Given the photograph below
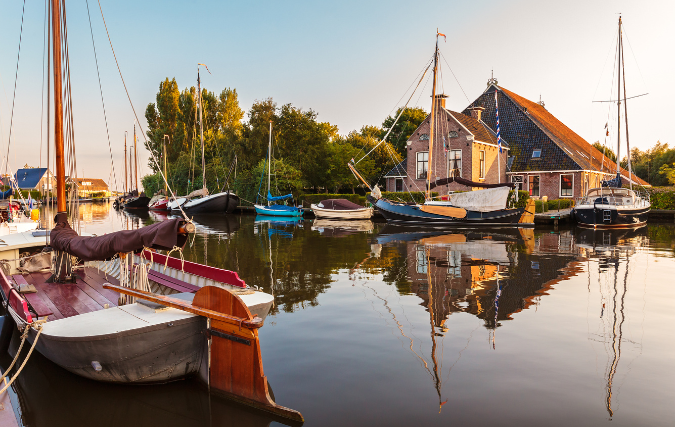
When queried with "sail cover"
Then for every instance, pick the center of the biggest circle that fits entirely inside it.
(163, 235)
(339, 205)
(615, 182)
(468, 183)
(272, 198)
(487, 200)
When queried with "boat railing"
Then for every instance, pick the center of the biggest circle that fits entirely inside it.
(638, 198)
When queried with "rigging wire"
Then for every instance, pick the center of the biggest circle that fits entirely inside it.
(100, 88)
(453, 75)
(42, 107)
(16, 78)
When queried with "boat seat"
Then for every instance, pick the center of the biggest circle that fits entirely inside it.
(36, 303)
(171, 282)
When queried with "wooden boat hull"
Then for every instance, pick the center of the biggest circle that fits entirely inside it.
(154, 354)
(412, 214)
(160, 205)
(602, 216)
(140, 202)
(365, 213)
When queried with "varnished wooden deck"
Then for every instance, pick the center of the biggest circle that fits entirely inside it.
(69, 299)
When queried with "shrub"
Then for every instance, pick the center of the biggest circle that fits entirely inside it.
(308, 199)
(540, 207)
(523, 196)
(662, 197)
(560, 204)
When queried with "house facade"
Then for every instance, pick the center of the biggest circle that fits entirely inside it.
(88, 187)
(546, 158)
(463, 146)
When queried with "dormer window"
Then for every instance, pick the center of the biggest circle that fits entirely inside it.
(536, 154)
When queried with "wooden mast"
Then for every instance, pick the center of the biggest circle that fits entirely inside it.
(58, 110)
(166, 190)
(135, 160)
(126, 174)
(431, 123)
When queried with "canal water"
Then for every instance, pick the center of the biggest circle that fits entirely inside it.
(375, 325)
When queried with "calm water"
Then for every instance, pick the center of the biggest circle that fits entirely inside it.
(377, 325)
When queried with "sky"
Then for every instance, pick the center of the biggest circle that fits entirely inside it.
(350, 61)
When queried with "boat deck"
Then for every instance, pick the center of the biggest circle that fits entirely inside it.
(69, 299)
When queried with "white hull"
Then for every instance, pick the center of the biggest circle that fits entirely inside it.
(365, 213)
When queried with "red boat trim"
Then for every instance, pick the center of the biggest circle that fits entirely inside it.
(213, 273)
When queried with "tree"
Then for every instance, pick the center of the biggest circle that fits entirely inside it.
(669, 172)
(406, 125)
(605, 150)
(162, 118)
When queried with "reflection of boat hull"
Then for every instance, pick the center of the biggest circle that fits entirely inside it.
(603, 216)
(364, 213)
(337, 228)
(215, 203)
(140, 202)
(412, 214)
(278, 210)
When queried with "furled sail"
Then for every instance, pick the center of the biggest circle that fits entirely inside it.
(163, 235)
(274, 199)
(615, 182)
(468, 183)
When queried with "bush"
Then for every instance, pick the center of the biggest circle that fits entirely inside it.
(662, 197)
(404, 196)
(540, 207)
(308, 199)
(523, 197)
(560, 204)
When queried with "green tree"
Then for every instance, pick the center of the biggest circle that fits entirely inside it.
(406, 125)
(605, 150)
(669, 172)
(162, 118)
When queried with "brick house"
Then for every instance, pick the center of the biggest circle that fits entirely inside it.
(463, 146)
(546, 158)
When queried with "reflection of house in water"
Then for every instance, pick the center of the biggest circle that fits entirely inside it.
(467, 270)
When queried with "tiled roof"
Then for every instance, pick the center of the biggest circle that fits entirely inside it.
(398, 171)
(530, 126)
(91, 184)
(480, 130)
(29, 178)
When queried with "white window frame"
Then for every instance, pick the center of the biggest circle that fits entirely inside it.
(560, 186)
(417, 164)
(482, 159)
(519, 185)
(529, 177)
(451, 161)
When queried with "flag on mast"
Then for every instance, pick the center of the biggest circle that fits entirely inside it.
(499, 138)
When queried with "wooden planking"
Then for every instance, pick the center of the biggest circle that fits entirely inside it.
(52, 292)
(80, 301)
(213, 273)
(35, 299)
(96, 280)
(450, 211)
(173, 283)
(528, 214)
(56, 313)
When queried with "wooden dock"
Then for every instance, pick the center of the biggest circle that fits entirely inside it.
(553, 217)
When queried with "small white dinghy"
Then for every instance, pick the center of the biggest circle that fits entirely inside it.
(340, 209)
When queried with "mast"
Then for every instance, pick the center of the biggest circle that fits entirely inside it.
(431, 123)
(625, 107)
(126, 174)
(201, 128)
(58, 110)
(618, 104)
(165, 176)
(269, 164)
(135, 159)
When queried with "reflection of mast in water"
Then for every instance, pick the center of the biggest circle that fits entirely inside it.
(617, 333)
(493, 333)
(437, 378)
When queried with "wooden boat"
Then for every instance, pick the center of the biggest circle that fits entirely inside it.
(486, 206)
(274, 209)
(340, 209)
(612, 206)
(159, 203)
(139, 202)
(190, 319)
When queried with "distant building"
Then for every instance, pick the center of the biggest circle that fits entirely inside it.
(463, 146)
(547, 158)
(89, 187)
(40, 179)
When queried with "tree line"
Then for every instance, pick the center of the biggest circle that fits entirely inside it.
(655, 165)
(308, 155)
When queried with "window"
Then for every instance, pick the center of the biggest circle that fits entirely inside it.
(421, 258)
(454, 264)
(481, 159)
(452, 134)
(422, 164)
(536, 154)
(566, 185)
(518, 180)
(424, 137)
(455, 163)
(534, 185)
(399, 184)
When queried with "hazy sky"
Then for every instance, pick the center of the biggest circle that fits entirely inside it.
(350, 61)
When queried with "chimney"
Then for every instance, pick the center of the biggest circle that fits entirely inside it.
(440, 100)
(476, 112)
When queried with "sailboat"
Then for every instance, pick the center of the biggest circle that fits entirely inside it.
(129, 314)
(225, 201)
(274, 209)
(484, 207)
(136, 200)
(611, 205)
